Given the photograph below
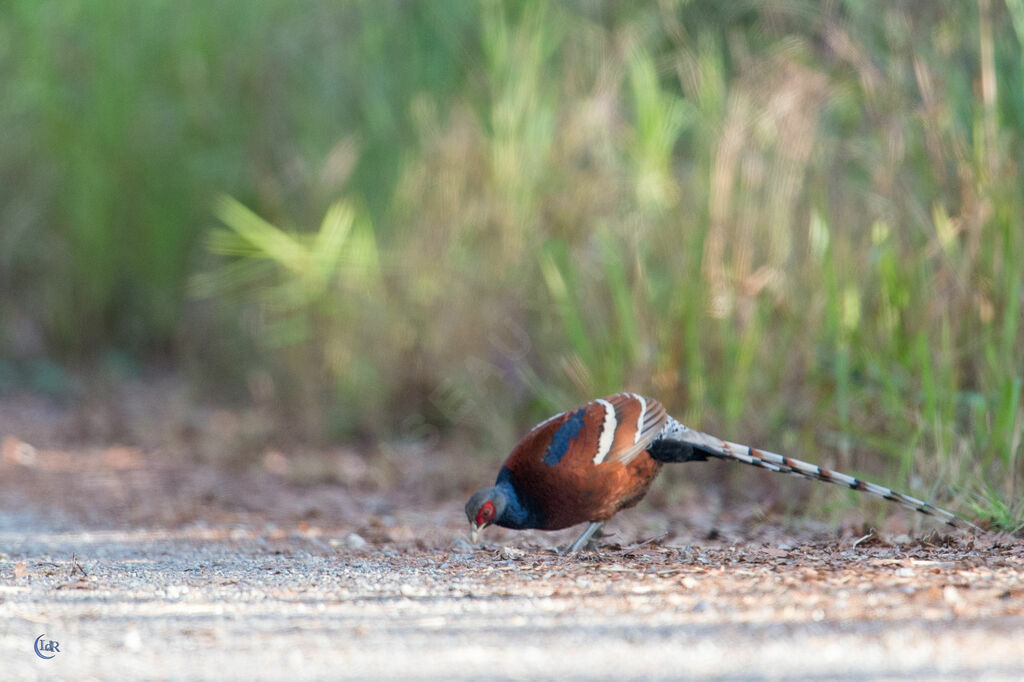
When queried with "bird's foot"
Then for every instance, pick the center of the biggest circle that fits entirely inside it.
(585, 540)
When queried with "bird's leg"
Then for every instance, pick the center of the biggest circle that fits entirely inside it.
(584, 539)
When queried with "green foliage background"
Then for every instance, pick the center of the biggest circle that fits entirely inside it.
(799, 224)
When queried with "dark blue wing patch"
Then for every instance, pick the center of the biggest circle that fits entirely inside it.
(563, 436)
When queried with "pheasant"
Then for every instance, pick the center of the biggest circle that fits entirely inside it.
(586, 464)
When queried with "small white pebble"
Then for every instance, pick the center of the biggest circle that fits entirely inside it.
(133, 640)
(951, 595)
(408, 590)
(355, 541)
(176, 591)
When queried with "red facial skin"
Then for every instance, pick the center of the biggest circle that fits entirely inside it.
(486, 513)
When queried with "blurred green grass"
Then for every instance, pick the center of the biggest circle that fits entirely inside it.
(799, 224)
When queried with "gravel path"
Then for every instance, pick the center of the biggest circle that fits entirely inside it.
(244, 603)
(148, 565)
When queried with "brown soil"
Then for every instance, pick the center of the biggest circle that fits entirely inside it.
(160, 560)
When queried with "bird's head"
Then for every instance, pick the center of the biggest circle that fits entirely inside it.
(484, 508)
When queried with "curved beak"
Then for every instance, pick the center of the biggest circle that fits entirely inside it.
(474, 533)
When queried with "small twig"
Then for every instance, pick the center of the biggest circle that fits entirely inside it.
(32, 618)
(866, 537)
(75, 566)
(648, 541)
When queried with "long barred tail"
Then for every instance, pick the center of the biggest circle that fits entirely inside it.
(697, 445)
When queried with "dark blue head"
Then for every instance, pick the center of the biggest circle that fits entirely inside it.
(484, 508)
(502, 505)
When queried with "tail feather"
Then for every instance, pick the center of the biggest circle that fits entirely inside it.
(676, 437)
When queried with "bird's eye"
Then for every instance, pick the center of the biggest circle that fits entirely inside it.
(486, 513)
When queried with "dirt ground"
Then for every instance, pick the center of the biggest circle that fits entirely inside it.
(157, 561)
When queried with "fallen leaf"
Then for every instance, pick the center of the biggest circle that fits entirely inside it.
(510, 553)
